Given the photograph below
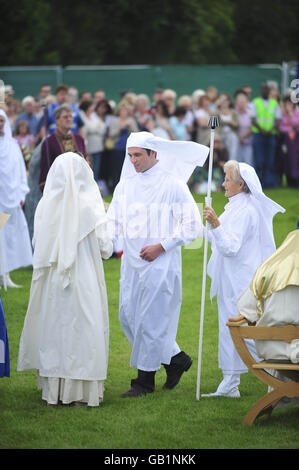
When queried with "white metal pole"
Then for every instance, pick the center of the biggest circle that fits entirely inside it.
(208, 201)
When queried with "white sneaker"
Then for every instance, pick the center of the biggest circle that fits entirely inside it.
(232, 394)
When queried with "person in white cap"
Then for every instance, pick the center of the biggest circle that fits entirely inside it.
(242, 238)
(15, 245)
(66, 329)
(154, 214)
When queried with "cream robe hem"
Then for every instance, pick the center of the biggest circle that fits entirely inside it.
(70, 390)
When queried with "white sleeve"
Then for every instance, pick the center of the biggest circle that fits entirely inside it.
(278, 112)
(247, 305)
(252, 109)
(24, 188)
(187, 220)
(115, 214)
(229, 241)
(104, 240)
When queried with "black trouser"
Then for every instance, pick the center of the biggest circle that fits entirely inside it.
(177, 362)
(145, 380)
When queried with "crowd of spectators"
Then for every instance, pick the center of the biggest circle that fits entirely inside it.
(105, 125)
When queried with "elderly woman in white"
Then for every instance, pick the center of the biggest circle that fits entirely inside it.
(66, 328)
(242, 238)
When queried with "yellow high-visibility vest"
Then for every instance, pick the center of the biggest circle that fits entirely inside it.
(265, 116)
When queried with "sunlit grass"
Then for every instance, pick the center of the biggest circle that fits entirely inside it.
(165, 419)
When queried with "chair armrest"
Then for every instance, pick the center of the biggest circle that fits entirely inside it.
(236, 322)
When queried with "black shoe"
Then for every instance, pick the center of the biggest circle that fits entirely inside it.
(136, 392)
(145, 383)
(178, 365)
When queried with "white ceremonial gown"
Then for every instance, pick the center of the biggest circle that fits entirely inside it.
(231, 270)
(273, 296)
(279, 309)
(15, 243)
(242, 241)
(149, 208)
(66, 328)
(236, 254)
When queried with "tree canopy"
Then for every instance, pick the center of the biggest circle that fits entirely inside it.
(97, 32)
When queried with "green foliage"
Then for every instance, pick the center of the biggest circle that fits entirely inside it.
(43, 32)
(166, 419)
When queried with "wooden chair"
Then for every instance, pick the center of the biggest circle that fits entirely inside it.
(290, 389)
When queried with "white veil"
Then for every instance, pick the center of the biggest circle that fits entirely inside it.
(265, 206)
(175, 156)
(71, 208)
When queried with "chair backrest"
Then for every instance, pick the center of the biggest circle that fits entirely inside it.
(286, 333)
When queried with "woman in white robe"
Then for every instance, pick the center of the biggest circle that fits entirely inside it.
(242, 238)
(66, 328)
(15, 245)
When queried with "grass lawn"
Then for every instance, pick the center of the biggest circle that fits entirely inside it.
(165, 419)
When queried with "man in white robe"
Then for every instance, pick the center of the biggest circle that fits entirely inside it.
(154, 214)
(15, 245)
(66, 328)
(241, 239)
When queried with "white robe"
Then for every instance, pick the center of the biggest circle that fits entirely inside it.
(149, 208)
(15, 242)
(236, 254)
(279, 309)
(66, 329)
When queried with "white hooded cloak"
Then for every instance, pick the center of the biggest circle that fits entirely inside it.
(15, 243)
(66, 328)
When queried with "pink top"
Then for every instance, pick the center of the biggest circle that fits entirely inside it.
(287, 122)
(25, 140)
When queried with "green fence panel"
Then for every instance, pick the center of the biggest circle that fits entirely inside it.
(184, 79)
(113, 80)
(28, 80)
(227, 79)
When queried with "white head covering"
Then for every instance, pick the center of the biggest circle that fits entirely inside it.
(71, 208)
(177, 157)
(264, 205)
(13, 180)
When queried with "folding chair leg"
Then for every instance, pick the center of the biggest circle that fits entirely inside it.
(263, 406)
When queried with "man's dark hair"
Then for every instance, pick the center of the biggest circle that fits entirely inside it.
(61, 87)
(148, 151)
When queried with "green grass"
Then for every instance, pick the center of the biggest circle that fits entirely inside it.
(166, 419)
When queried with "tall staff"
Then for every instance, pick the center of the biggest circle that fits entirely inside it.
(213, 123)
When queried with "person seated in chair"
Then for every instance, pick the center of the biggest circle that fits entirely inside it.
(272, 300)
